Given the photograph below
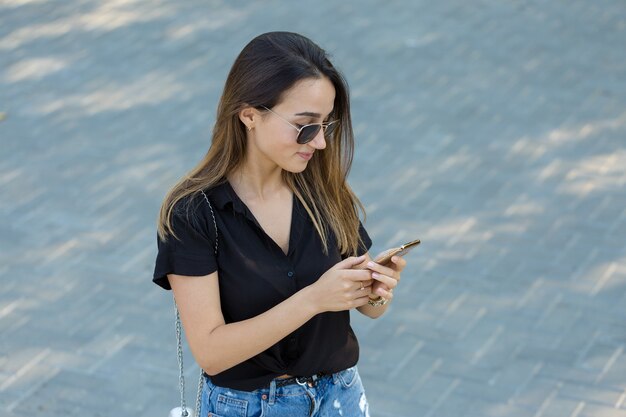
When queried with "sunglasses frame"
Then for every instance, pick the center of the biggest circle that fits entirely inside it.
(324, 126)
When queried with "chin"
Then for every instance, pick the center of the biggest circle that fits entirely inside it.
(295, 170)
(294, 165)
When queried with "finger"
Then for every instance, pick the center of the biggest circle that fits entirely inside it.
(361, 301)
(390, 282)
(365, 292)
(378, 284)
(387, 294)
(350, 262)
(358, 274)
(361, 265)
(399, 262)
(384, 270)
(364, 285)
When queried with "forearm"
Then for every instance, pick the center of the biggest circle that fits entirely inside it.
(233, 343)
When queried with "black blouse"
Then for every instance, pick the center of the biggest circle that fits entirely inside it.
(254, 276)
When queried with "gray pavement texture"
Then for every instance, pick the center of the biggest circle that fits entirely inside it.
(494, 130)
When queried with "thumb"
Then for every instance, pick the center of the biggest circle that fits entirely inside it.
(348, 263)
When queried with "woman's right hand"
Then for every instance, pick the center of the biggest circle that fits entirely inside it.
(341, 287)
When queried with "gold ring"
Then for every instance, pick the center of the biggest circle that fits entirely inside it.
(362, 287)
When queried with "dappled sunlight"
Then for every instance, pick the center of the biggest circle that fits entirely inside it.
(517, 226)
(111, 15)
(419, 41)
(598, 173)
(154, 152)
(604, 276)
(452, 229)
(535, 147)
(464, 234)
(152, 88)
(141, 173)
(7, 176)
(34, 68)
(19, 37)
(74, 248)
(524, 208)
(462, 159)
(205, 22)
(584, 131)
(17, 3)
(114, 14)
(576, 177)
(528, 148)
(551, 170)
(27, 371)
(144, 166)
(62, 249)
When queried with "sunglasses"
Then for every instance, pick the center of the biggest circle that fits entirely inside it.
(308, 132)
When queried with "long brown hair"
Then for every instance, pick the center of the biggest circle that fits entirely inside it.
(265, 69)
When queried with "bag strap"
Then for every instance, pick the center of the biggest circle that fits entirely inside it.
(181, 376)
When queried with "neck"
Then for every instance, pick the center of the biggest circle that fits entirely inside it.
(255, 182)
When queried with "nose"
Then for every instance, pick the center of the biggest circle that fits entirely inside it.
(319, 141)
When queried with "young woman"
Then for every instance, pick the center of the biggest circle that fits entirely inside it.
(262, 243)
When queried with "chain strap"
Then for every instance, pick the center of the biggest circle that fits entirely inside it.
(212, 215)
(181, 377)
(179, 343)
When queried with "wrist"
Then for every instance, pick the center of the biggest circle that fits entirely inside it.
(306, 299)
(378, 301)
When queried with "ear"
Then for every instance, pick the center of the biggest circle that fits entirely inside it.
(248, 116)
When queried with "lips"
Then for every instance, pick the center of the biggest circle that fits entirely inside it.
(305, 156)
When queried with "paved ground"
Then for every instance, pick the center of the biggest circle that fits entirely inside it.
(493, 130)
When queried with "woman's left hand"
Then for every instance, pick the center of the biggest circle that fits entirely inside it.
(386, 277)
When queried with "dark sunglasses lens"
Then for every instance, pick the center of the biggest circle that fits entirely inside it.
(308, 133)
(330, 130)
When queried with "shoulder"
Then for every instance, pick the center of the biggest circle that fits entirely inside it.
(197, 204)
(195, 213)
(188, 208)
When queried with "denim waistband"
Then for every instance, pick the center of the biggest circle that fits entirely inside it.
(280, 392)
(284, 382)
(292, 385)
(309, 380)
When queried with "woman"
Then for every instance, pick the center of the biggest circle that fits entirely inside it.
(262, 243)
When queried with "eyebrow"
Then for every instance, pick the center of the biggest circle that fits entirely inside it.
(308, 113)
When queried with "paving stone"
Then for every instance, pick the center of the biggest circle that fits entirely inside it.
(494, 133)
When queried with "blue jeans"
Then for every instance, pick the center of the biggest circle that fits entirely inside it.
(340, 394)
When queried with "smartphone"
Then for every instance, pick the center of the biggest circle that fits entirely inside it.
(386, 256)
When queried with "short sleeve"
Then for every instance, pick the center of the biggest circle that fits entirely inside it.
(366, 243)
(192, 253)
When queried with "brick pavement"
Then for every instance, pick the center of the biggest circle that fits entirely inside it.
(496, 132)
